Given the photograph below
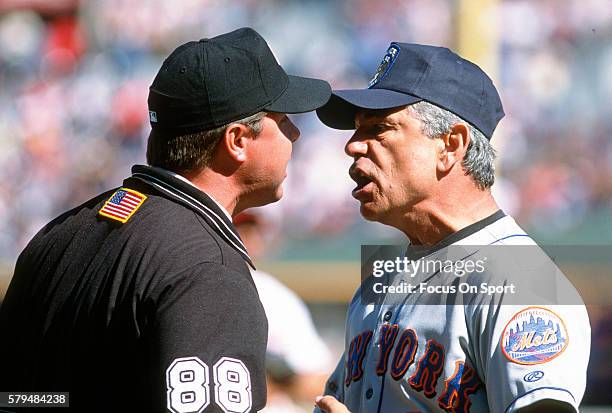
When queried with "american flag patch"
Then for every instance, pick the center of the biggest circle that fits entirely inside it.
(122, 204)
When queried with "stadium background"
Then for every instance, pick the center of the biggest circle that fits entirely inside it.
(74, 77)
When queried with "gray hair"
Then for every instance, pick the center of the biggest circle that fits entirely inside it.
(479, 160)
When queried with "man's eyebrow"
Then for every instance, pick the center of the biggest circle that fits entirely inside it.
(375, 114)
(375, 119)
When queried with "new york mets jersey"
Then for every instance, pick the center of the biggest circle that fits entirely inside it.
(483, 354)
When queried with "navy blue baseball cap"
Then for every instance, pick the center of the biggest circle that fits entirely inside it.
(410, 73)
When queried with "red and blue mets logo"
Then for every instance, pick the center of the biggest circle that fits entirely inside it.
(534, 335)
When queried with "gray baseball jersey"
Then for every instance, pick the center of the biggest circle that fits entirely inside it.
(479, 356)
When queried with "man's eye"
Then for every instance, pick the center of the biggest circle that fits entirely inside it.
(379, 128)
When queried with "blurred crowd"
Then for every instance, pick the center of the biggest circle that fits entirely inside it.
(74, 79)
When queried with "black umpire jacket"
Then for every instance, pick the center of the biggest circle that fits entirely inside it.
(156, 314)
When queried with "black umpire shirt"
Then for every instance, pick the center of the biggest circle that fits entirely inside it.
(158, 313)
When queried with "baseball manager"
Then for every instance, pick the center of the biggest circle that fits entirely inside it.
(423, 164)
(141, 299)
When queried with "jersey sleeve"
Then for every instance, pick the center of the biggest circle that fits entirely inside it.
(530, 353)
(206, 345)
(335, 383)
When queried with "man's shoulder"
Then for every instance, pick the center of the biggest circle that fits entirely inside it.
(169, 230)
(184, 235)
(213, 277)
(154, 216)
(504, 231)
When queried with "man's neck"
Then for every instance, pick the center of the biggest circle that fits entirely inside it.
(429, 224)
(219, 187)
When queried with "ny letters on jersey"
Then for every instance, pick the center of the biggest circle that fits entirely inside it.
(398, 352)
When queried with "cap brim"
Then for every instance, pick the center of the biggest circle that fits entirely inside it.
(303, 94)
(340, 110)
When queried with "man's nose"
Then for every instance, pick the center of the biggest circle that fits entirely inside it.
(294, 132)
(356, 146)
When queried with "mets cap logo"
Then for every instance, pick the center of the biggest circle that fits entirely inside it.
(534, 335)
(385, 65)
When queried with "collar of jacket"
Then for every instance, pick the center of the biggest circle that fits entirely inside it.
(196, 200)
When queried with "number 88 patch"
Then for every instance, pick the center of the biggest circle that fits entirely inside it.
(188, 385)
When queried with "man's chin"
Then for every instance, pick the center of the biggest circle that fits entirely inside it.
(275, 196)
(369, 211)
(266, 197)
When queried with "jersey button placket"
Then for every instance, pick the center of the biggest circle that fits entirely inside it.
(370, 379)
(387, 316)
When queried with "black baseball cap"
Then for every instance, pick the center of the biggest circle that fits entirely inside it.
(410, 73)
(208, 83)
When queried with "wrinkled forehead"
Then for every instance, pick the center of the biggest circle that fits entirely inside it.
(377, 115)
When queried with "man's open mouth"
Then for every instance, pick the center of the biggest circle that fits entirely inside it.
(361, 179)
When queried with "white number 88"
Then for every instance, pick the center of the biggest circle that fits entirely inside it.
(188, 392)
(232, 385)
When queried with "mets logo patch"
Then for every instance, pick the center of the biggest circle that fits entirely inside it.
(534, 335)
(122, 205)
(385, 65)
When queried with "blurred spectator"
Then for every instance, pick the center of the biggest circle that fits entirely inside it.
(297, 359)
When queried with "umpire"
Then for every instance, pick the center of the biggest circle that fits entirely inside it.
(141, 299)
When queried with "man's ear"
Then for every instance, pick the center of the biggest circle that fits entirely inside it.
(235, 140)
(455, 144)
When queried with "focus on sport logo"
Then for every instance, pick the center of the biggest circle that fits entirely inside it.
(534, 335)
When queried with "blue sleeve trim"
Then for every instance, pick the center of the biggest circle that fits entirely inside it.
(539, 388)
(510, 236)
